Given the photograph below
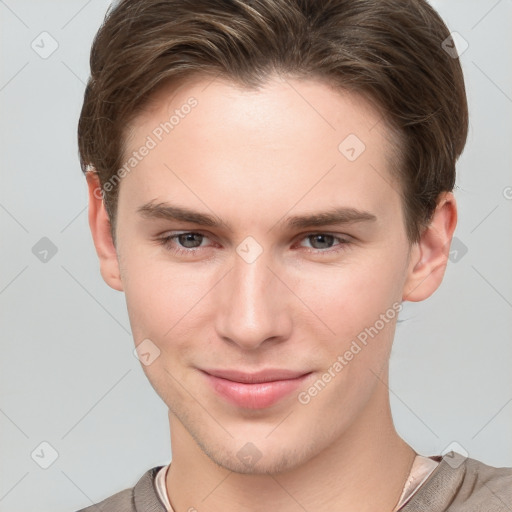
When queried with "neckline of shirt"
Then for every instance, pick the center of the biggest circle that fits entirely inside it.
(421, 469)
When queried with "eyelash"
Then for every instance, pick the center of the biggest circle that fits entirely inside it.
(166, 242)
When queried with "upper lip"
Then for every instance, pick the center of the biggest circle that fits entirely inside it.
(268, 375)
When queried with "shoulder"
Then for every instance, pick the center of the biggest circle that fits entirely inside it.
(141, 497)
(463, 484)
(488, 485)
(122, 500)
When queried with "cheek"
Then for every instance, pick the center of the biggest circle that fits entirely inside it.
(351, 297)
(159, 297)
(161, 301)
(359, 304)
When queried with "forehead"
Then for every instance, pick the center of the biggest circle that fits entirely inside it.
(279, 101)
(286, 142)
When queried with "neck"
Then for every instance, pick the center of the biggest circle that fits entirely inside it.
(365, 469)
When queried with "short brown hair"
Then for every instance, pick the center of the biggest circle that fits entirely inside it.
(391, 51)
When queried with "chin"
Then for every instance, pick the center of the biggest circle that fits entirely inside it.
(260, 457)
(272, 463)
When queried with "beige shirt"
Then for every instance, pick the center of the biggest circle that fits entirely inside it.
(456, 484)
(421, 469)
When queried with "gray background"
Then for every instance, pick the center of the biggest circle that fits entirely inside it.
(68, 376)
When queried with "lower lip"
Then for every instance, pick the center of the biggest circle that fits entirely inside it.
(254, 396)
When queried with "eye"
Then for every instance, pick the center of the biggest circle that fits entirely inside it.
(321, 240)
(325, 243)
(189, 240)
(183, 243)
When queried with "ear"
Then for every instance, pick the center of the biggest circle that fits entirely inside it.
(99, 223)
(429, 256)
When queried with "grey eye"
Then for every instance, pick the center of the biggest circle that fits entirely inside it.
(190, 240)
(321, 241)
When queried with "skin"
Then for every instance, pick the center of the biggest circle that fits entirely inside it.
(253, 158)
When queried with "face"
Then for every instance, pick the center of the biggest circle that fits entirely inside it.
(263, 230)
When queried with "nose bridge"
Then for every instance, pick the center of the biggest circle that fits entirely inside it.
(253, 307)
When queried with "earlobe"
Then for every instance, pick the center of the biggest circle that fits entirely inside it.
(429, 256)
(99, 223)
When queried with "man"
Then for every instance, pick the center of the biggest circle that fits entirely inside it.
(268, 181)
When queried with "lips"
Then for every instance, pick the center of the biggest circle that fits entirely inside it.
(254, 390)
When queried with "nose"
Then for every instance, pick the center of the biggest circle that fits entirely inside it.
(253, 304)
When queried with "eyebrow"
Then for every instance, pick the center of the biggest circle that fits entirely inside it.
(333, 216)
